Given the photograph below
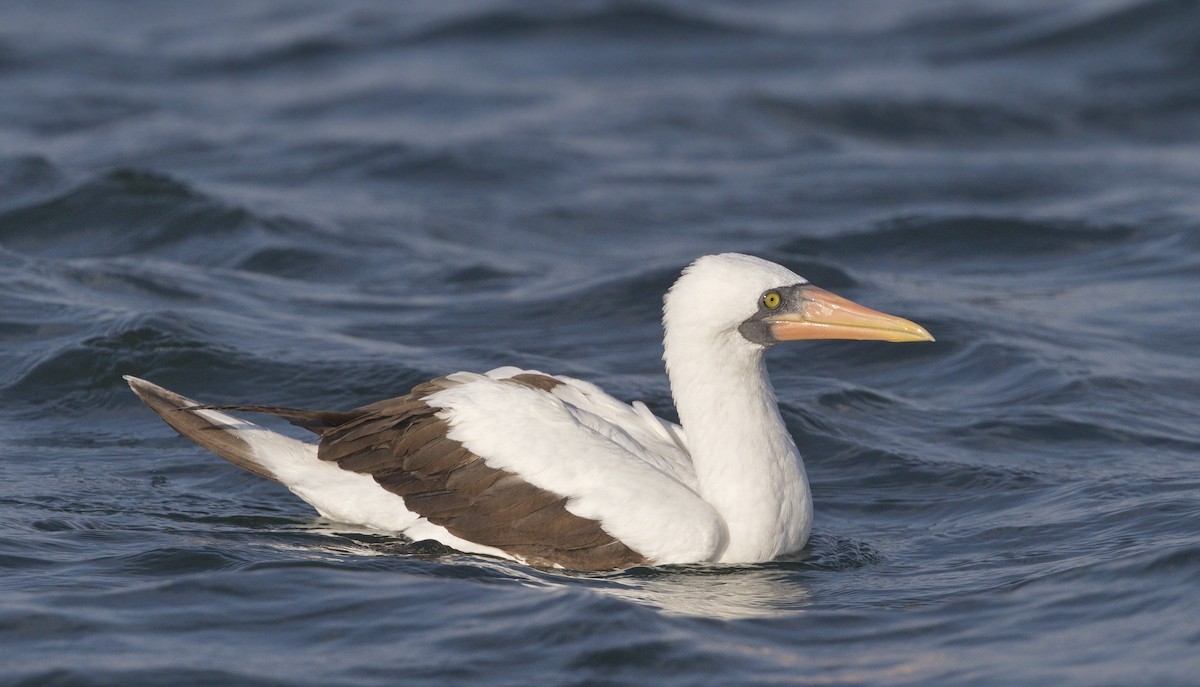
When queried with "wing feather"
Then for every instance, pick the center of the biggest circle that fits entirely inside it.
(572, 439)
(404, 445)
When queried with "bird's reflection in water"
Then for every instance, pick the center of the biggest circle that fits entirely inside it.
(724, 592)
(762, 590)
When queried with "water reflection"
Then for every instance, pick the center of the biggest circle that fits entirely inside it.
(764, 590)
(713, 592)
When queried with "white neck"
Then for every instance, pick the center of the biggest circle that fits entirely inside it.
(747, 465)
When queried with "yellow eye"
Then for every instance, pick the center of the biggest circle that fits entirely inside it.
(772, 299)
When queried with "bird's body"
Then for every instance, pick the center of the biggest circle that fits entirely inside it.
(551, 470)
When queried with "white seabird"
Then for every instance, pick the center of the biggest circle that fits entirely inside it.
(552, 471)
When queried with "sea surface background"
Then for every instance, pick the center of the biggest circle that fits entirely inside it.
(323, 204)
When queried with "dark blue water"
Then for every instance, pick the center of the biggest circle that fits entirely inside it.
(308, 204)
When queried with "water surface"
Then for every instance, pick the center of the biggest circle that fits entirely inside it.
(293, 203)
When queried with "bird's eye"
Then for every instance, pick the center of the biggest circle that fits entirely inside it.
(772, 299)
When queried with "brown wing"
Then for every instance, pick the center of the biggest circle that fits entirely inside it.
(403, 444)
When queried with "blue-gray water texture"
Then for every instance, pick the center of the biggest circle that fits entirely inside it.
(322, 204)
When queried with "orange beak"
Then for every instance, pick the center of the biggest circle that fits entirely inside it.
(823, 315)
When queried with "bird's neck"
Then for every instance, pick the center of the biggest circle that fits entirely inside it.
(747, 466)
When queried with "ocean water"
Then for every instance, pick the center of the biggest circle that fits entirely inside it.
(323, 204)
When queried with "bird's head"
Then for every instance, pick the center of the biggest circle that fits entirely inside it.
(747, 301)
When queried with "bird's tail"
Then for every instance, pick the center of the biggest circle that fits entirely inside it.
(245, 444)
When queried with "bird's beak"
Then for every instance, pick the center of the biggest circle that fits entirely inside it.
(823, 315)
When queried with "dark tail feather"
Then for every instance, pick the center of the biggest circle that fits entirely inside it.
(315, 421)
(218, 438)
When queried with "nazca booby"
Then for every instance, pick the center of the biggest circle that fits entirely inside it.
(550, 470)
